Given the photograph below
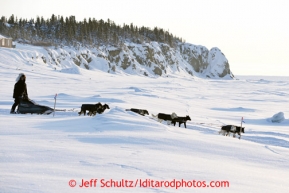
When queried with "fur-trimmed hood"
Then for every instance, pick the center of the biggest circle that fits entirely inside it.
(19, 76)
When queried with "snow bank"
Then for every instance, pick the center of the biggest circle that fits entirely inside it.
(278, 117)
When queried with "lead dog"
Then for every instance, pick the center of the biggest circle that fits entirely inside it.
(142, 112)
(167, 117)
(227, 129)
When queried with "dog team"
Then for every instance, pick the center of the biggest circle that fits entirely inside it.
(170, 118)
(99, 108)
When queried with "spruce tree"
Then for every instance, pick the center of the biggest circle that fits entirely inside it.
(11, 19)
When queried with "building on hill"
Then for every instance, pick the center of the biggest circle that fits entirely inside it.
(5, 42)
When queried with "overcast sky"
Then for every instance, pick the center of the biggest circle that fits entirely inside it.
(253, 34)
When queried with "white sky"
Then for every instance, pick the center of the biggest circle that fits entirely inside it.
(253, 34)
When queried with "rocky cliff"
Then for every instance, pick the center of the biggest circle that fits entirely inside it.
(149, 59)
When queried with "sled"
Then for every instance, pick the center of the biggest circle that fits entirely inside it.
(29, 106)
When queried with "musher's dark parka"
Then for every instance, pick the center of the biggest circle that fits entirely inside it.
(20, 90)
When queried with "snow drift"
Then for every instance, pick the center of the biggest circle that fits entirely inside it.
(278, 117)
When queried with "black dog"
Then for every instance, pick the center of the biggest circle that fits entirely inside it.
(142, 112)
(181, 120)
(167, 117)
(89, 107)
(227, 129)
(100, 110)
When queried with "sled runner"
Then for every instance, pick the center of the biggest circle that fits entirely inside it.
(29, 106)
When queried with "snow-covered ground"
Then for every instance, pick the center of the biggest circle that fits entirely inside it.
(42, 153)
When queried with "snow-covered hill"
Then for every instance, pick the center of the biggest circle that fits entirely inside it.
(149, 59)
(42, 153)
